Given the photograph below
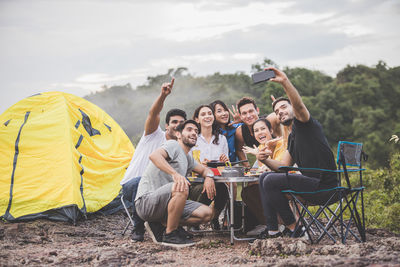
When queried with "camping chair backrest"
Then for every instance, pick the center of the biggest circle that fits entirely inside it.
(350, 154)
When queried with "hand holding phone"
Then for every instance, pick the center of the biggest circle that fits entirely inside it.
(262, 76)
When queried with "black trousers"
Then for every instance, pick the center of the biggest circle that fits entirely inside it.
(274, 201)
(251, 197)
(220, 199)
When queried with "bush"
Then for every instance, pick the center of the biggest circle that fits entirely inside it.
(382, 196)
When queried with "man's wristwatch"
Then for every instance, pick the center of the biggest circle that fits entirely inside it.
(210, 175)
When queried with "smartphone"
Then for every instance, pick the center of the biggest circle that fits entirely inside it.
(262, 76)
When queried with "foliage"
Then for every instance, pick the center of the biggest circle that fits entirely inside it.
(382, 196)
(359, 104)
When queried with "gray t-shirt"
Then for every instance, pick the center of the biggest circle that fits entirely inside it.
(154, 178)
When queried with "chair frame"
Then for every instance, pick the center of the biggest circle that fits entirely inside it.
(130, 221)
(346, 197)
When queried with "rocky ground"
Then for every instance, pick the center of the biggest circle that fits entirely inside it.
(98, 241)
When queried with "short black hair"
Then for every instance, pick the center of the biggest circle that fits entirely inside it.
(182, 125)
(245, 100)
(263, 120)
(279, 99)
(175, 112)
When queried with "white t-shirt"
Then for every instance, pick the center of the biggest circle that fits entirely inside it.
(140, 160)
(210, 151)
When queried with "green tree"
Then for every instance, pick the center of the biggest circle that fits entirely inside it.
(360, 104)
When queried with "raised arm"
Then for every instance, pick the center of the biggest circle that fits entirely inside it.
(300, 110)
(153, 119)
(235, 116)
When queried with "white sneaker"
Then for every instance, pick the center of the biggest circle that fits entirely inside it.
(257, 230)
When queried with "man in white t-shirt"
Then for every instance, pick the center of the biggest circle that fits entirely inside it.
(153, 137)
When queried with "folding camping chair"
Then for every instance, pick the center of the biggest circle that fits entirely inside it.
(130, 221)
(128, 194)
(327, 219)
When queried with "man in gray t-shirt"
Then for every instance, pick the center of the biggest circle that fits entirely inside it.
(163, 190)
(153, 177)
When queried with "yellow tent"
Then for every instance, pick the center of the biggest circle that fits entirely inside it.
(60, 158)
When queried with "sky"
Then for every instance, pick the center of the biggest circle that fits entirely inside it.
(79, 46)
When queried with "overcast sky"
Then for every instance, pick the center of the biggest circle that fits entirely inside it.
(78, 46)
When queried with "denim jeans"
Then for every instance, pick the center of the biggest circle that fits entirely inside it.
(129, 191)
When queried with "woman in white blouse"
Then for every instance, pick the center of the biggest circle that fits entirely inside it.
(210, 145)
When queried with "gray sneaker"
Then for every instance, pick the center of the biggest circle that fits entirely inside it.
(176, 239)
(155, 230)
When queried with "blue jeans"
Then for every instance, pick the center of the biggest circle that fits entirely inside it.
(129, 191)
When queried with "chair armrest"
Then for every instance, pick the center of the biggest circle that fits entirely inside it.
(316, 170)
(314, 192)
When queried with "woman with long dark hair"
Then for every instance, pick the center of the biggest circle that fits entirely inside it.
(226, 126)
(210, 145)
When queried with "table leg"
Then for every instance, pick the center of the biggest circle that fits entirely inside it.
(233, 237)
(232, 220)
(232, 214)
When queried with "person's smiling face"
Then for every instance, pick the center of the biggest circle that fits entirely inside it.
(284, 111)
(206, 117)
(170, 128)
(189, 135)
(248, 114)
(261, 132)
(221, 114)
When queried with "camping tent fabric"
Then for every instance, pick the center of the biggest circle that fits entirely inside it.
(60, 157)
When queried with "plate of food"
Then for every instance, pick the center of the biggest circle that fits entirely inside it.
(254, 172)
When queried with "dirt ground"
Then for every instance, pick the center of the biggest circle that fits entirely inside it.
(98, 241)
